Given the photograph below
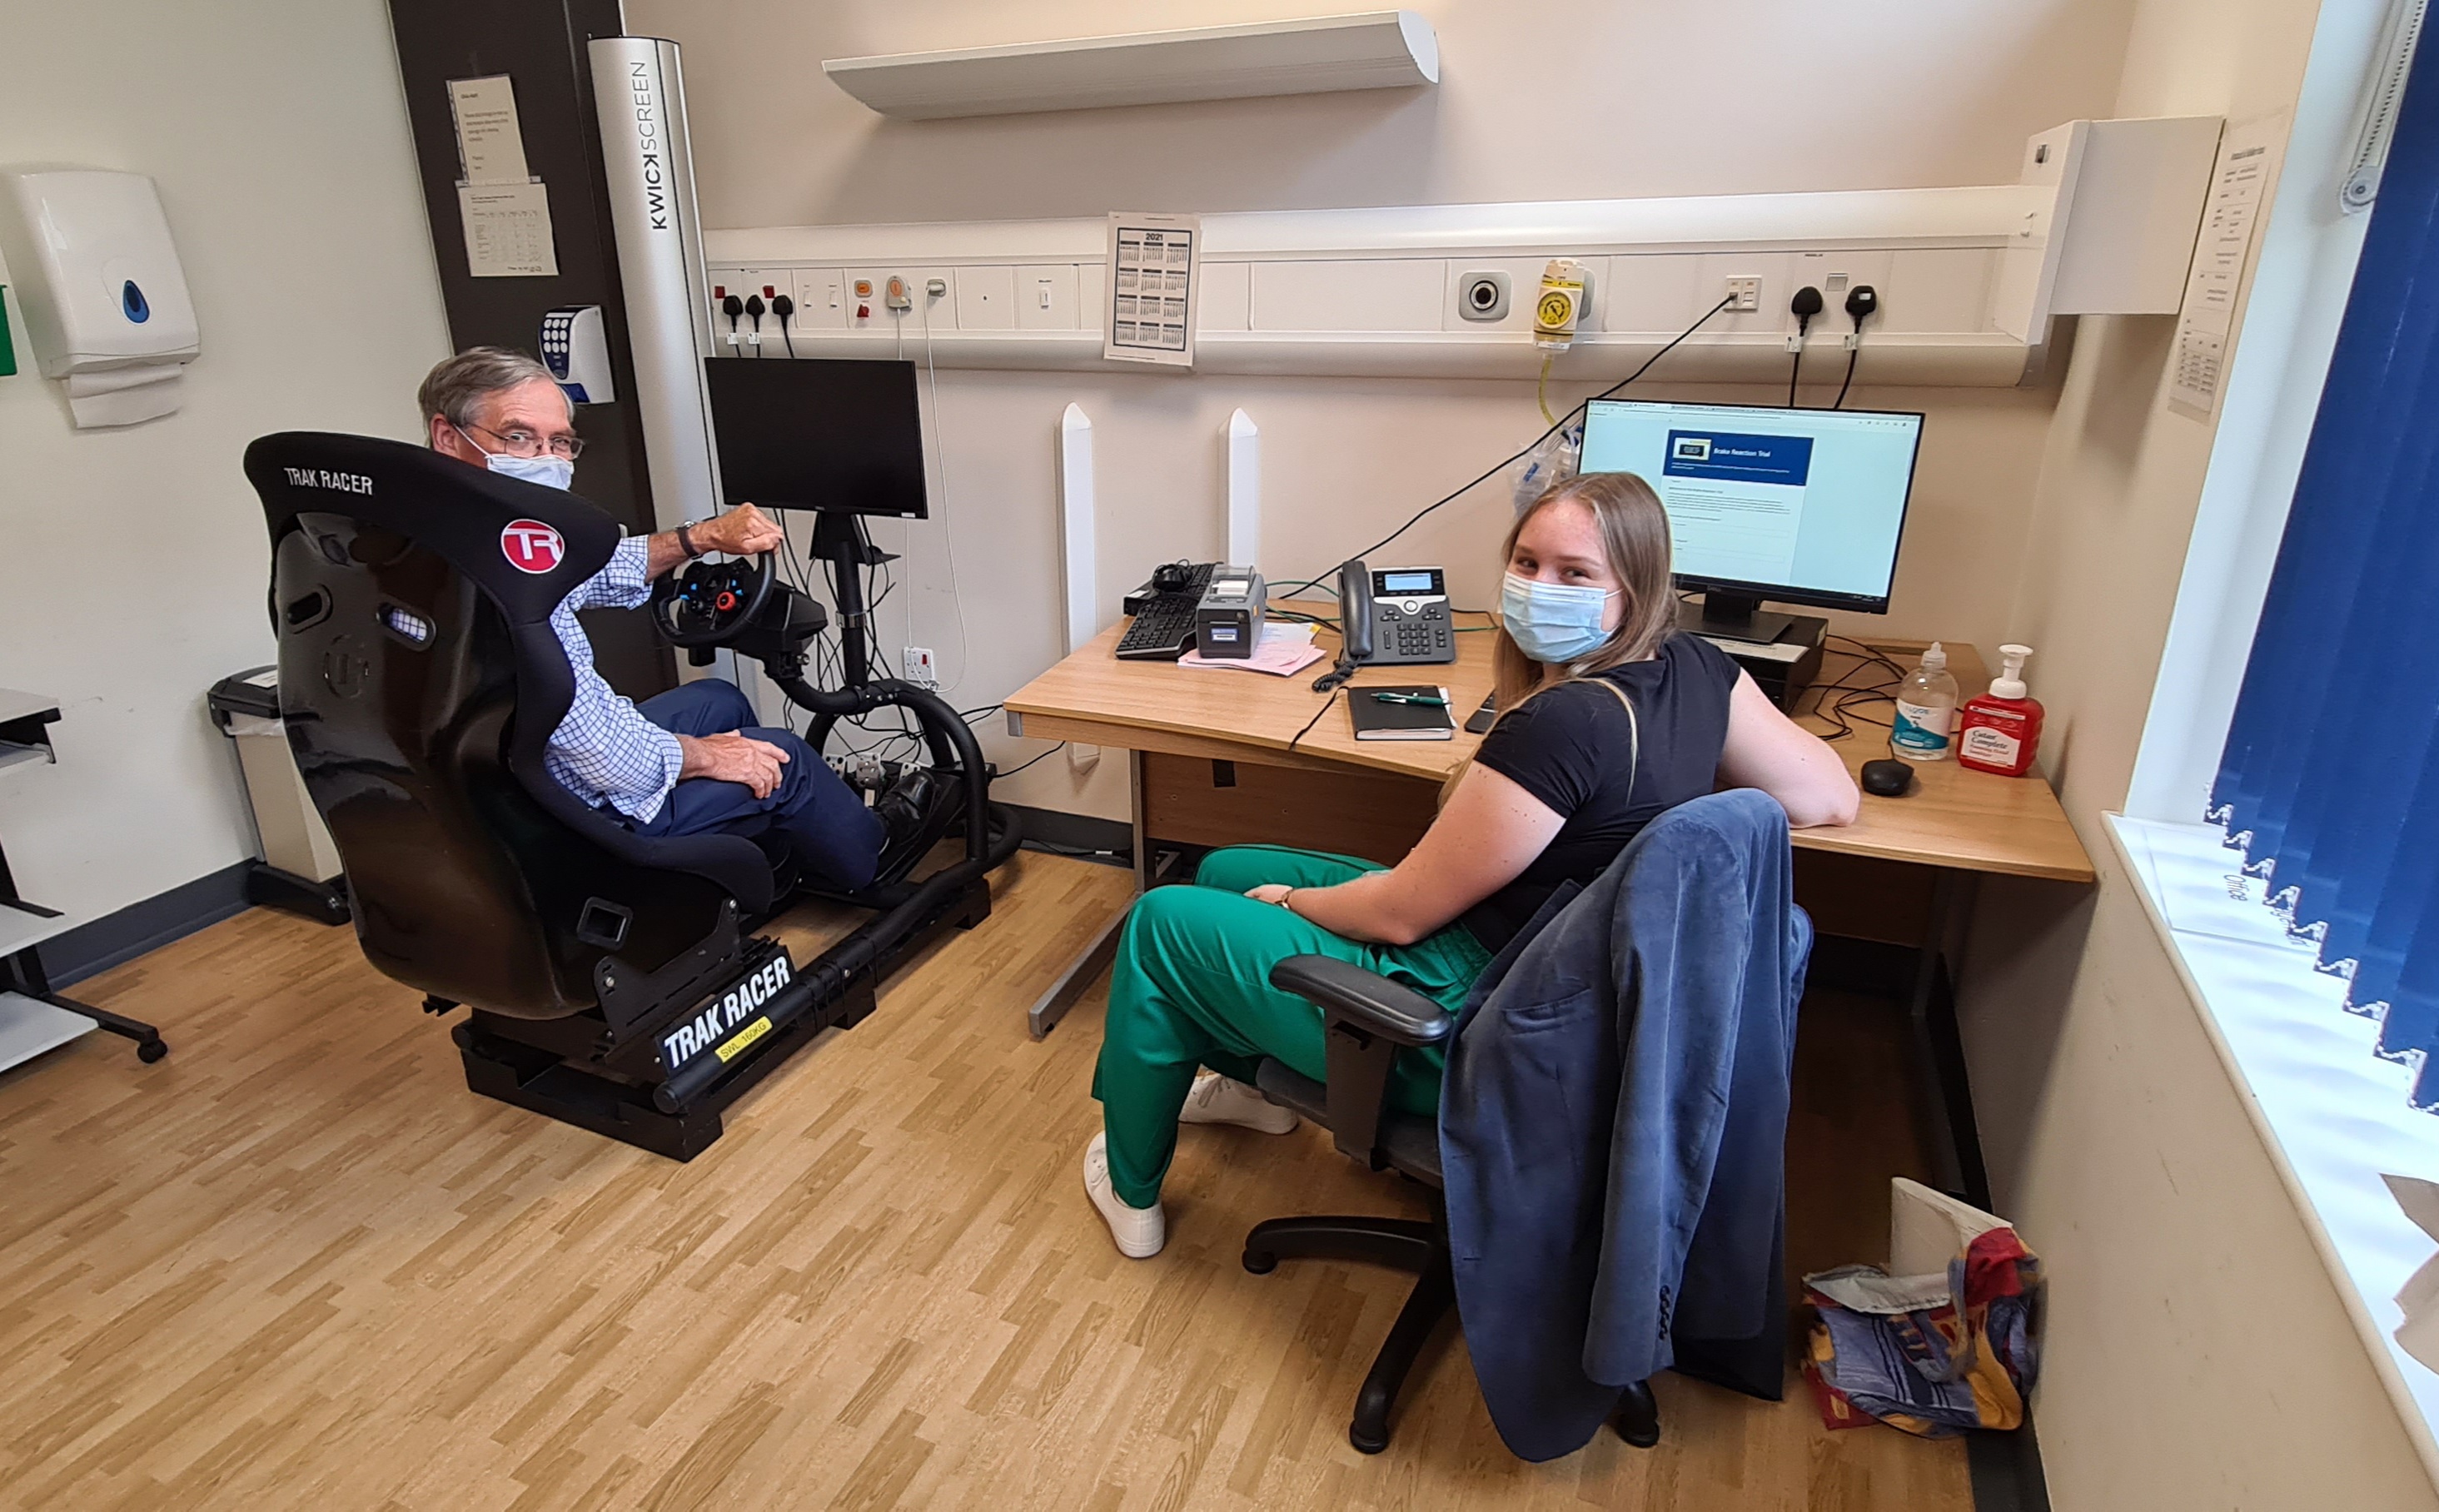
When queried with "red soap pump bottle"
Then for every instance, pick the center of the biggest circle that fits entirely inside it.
(2000, 731)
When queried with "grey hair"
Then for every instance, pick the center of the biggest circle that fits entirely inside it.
(458, 383)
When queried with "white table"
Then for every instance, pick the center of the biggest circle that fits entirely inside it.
(33, 1018)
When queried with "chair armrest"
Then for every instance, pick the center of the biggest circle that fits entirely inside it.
(1365, 999)
(1366, 1018)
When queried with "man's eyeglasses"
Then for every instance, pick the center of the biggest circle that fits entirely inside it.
(518, 441)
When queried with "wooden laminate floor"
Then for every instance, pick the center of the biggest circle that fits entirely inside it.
(298, 1265)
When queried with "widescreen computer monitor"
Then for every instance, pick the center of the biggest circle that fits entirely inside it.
(1795, 505)
(807, 433)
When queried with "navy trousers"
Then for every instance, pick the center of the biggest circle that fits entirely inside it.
(836, 839)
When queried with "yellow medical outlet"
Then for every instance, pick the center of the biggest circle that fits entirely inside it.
(1561, 305)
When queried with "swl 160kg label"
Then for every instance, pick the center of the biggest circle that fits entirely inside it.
(725, 1015)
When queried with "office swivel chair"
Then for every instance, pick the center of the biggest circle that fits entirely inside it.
(613, 976)
(1367, 1019)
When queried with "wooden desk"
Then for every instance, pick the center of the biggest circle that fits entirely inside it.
(1954, 818)
(1218, 757)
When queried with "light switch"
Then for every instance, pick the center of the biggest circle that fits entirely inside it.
(821, 299)
(1046, 298)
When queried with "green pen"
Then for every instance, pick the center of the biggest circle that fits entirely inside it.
(1424, 698)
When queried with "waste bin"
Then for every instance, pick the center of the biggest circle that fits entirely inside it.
(300, 869)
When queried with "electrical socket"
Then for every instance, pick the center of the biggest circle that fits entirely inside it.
(1744, 296)
(920, 669)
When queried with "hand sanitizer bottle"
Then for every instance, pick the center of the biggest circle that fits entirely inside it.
(2001, 728)
(1926, 710)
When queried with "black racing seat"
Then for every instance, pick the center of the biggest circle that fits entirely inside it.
(420, 679)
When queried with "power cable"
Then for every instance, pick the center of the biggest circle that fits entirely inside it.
(1504, 462)
(948, 518)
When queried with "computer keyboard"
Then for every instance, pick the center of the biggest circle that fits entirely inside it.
(1163, 629)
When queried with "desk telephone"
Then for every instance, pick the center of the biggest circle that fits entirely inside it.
(1396, 617)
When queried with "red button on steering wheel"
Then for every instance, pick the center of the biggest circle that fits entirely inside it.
(711, 603)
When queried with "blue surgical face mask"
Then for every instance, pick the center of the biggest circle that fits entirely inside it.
(549, 470)
(1553, 622)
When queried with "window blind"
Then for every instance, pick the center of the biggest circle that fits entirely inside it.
(2329, 782)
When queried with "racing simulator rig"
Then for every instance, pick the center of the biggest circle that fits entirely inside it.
(614, 979)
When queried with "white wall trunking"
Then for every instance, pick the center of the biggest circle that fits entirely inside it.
(1969, 279)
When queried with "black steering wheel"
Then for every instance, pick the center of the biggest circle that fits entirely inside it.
(709, 602)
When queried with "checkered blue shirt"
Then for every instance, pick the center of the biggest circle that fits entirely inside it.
(604, 751)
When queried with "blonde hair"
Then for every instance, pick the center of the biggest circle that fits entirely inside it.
(1635, 537)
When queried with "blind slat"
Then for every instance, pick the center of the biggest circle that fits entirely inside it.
(2329, 781)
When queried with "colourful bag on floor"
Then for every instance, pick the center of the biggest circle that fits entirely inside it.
(1932, 1351)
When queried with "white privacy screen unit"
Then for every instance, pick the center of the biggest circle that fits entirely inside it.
(640, 96)
(1802, 506)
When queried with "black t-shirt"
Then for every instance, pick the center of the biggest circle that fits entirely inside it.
(1568, 747)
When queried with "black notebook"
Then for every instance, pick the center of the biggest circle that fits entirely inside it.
(1379, 719)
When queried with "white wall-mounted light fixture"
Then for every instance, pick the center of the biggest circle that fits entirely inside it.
(1377, 50)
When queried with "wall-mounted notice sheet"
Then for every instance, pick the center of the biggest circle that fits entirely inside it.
(2248, 157)
(1154, 264)
(506, 210)
(507, 230)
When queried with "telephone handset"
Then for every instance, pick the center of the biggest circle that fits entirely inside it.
(1354, 626)
(1355, 611)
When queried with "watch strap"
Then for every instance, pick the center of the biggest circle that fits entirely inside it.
(685, 540)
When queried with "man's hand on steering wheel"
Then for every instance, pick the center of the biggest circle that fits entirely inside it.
(733, 758)
(744, 531)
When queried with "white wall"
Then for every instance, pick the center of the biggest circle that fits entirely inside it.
(2197, 1354)
(134, 569)
(1625, 97)
(1643, 97)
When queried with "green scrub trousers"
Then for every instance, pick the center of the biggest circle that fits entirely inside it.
(1191, 986)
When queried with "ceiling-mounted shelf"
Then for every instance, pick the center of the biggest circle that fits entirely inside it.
(1377, 50)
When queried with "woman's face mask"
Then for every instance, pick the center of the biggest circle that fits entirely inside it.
(1553, 622)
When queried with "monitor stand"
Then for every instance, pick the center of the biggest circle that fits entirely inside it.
(1740, 617)
(1782, 651)
(840, 539)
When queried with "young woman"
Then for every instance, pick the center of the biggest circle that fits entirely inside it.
(1567, 775)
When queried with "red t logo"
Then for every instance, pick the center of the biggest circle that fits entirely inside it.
(531, 546)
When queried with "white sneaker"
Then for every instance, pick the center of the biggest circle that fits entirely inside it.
(1219, 1100)
(1138, 1232)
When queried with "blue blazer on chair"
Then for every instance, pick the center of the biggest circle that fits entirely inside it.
(1612, 1128)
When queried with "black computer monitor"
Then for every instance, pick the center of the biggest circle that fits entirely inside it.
(839, 435)
(1794, 506)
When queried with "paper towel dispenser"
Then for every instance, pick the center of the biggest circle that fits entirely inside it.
(98, 278)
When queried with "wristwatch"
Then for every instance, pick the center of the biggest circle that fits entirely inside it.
(685, 540)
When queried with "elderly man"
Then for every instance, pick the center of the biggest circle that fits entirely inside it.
(693, 759)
